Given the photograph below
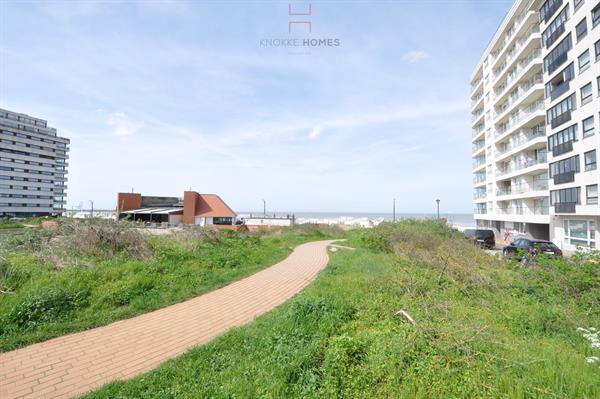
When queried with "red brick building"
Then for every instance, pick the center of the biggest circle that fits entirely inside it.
(193, 208)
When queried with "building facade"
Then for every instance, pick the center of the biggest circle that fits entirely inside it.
(192, 209)
(33, 167)
(535, 118)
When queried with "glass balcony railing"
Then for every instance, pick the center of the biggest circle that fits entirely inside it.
(520, 115)
(516, 166)
(523, 188)
(522, 139)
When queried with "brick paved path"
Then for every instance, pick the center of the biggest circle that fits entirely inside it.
(76, 363)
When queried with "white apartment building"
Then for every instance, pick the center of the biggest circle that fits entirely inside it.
(534, 170)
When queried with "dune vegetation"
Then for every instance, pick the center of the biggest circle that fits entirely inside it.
(83, 274)
(481, 327)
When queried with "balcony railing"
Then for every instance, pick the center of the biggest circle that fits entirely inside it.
(562, 148)
(480, 211)
(521, 139)
(478, 178)
(565, 207)
(479, 195)
(562, 118)
(478, 163)
(519, 116)
(566, 177)
(476, 100)
(522, 189)
(478, 146)
(476, 116)
(478, 130)
(521, 165)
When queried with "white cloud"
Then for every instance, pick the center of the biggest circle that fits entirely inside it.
(315, 132)
(121, 124)
(415, 56)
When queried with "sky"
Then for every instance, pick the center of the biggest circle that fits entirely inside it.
(160, 97)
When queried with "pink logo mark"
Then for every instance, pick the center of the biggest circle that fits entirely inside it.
(304, 23)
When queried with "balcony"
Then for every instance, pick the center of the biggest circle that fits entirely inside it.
(553, 66)
(551, 11)
(519, 116)
(479, 178)
(480, 211)
(559, 120)
(562, 148)
(522, 139)
(476, 115)
(555, 35)
(559, 90)
(477, 131)
(561, 178)
(478, 163)
(478, 146)
(565, 207)
(523, 189)
(521, 165)
(479, 195)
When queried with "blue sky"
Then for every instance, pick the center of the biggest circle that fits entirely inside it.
(164, 96)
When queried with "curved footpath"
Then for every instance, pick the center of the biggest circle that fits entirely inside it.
(77, 363)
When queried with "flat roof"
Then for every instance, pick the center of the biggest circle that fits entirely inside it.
(154, 211)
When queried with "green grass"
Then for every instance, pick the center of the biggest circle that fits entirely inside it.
(485, 328)
(85, 275)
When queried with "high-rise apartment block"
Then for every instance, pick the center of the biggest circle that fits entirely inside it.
(536, 117)
(33, 167)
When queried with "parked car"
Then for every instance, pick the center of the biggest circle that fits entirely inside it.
(531, 248)
(482, 237)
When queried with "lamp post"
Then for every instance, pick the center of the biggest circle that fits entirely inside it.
(394, 210)
(264, 208)
(438, 208)
(92, 210)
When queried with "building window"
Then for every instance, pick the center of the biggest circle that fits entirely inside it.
(584, 61)
(577, 4)
(548, 9)
(567, 165)
(558, 55)
(596, 15)
(565, 196)
(556, 28)
(588, 126)
(592, 194)
(561, 112)
(581, 29)
(590, 160)
(564, 136)
(586, 94)
(597, 46)
(580, 233)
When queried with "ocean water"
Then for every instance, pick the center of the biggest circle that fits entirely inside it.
(368, 219)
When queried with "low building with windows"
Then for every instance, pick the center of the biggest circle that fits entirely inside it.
(191, 209)
(536, 121)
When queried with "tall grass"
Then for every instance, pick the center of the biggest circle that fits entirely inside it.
(484, 328)
(82, 274)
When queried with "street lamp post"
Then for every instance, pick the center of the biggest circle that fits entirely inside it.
(92, 210)
(394, 210)
(438, 208)
(265, 208)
